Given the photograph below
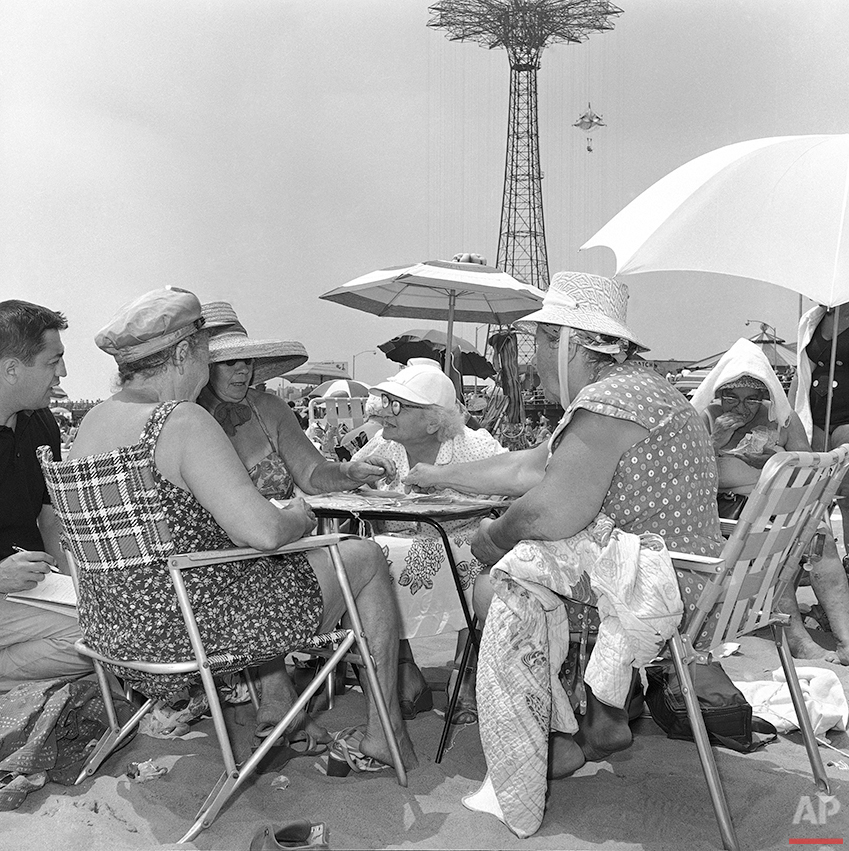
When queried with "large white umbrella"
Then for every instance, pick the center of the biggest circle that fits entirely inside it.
(439, 289)
(767, 210)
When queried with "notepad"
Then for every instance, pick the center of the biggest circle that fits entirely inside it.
(55, 593)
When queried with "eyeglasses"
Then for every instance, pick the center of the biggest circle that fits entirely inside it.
(749, 401)
(394, 405)
(245, 361)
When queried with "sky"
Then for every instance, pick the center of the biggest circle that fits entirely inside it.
(266, 151)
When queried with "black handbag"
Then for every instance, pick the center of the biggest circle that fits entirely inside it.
(726, 712)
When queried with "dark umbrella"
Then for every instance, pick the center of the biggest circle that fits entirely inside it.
(429, 343)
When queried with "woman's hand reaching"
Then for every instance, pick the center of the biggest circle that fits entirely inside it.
(369, 471)
(423, 478)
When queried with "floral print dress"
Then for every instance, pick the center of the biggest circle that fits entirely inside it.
(256, 609)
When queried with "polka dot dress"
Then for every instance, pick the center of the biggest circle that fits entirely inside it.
(667, 483)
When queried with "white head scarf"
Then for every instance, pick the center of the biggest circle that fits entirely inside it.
(745, 358)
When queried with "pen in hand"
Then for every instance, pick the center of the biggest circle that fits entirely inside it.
(17, 549)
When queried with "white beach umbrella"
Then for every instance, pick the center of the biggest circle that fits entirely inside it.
(439, 289)
(767, 210)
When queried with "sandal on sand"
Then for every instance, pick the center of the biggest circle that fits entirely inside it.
(288, 748)
(14, 788)
(345, 755)
(298, 834)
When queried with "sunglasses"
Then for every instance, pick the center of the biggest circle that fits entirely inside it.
(749, 401)
(245, 361)
(394, 405)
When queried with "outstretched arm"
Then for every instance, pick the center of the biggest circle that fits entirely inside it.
(575, 484)
(506, 474)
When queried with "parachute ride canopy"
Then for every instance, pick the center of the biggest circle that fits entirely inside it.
(589, 122)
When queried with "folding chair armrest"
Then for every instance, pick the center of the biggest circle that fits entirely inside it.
(701, 564)
(184, 561)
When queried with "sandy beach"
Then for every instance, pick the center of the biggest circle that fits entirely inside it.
(651, 796)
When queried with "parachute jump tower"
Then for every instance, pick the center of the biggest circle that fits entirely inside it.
(524, 28)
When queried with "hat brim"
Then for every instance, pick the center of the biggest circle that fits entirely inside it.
(583, 320)
(400, 391)
(272, 358)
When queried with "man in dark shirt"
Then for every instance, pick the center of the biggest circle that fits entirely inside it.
(35, 644)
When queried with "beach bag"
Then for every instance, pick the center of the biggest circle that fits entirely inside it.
(727, 714)
(730, 505)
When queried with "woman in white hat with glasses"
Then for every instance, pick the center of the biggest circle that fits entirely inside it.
(423, 423)
(629, 447)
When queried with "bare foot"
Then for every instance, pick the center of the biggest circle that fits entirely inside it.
(376, 746)
(807, 648)
(565, 756)
(603, 730)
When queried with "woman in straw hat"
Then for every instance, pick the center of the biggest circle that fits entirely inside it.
(630, 455)
(259, 608)
(262, 427)
(267, 436)
(749, 418)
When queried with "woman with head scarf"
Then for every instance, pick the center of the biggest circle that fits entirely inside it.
(749, 418)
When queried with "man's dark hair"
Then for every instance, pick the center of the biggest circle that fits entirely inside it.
(22, 327)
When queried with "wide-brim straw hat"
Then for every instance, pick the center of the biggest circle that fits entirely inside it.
(584, 301)
(228, 340)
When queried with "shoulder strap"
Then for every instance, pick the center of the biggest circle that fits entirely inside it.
(154, 424)
(271, 443)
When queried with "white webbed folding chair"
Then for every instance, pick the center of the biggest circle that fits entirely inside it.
(736, 592)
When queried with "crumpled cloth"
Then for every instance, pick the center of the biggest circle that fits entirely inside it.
(526, 637)
(52, 726)
(821, 689)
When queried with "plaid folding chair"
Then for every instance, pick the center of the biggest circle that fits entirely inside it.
(114, 521)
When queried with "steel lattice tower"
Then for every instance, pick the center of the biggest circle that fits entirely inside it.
(524, 28)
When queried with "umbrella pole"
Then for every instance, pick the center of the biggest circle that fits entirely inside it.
(449, 341)
(831, 367)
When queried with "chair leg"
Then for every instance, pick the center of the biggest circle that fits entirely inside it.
(234, 777)
(697, 723)
(250, 682)
(820, 778)
(116, 733)
(368, 662)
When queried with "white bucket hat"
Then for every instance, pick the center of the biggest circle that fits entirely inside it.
(421, 382)
(586, 302)
(228, 340)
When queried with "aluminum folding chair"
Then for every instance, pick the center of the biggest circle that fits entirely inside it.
(737, 591)
(101, 506)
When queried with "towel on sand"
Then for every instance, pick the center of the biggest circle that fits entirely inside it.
(823, 695)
